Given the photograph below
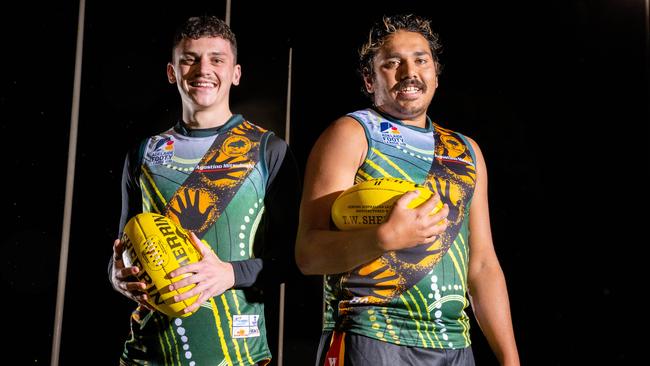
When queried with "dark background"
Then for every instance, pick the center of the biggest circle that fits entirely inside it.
(554, 92)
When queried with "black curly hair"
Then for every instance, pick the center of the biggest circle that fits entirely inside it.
(205, 26)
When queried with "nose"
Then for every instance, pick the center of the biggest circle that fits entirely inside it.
(204, 66)
(407, 70)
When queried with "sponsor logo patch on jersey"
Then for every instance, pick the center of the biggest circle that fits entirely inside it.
(162, 151)
(390, 134)
(245, 326)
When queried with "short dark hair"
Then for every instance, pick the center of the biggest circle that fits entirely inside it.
(205, 26)
(387, 26)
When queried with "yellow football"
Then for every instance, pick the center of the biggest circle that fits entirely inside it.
(368, 203)
(157, 245)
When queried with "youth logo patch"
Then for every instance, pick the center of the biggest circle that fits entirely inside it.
(162, 151)
(390, 134)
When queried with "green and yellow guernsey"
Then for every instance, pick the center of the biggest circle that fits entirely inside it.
(417, 296)
(215, 186)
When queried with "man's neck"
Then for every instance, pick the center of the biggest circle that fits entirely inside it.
(206, 118)
(417, 121)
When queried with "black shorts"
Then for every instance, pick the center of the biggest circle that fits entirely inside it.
(364, 351)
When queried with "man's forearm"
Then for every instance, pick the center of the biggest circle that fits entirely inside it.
(329, 252)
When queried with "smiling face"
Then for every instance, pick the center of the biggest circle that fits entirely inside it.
(204, 69)
(404, 77)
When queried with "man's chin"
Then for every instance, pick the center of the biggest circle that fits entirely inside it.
(403, 110)
(204, 103)
(410, 112)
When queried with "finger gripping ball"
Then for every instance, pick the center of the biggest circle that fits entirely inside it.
(157, 246)
(369, 203)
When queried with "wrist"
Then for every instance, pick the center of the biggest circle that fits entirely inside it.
(231, 277)
(384, 236)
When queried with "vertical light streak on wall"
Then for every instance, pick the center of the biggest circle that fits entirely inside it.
(287, 136)
(69, 190)
(228, 6)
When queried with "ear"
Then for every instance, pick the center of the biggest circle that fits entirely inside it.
(368, 82)
(236, 75)
(171, 73)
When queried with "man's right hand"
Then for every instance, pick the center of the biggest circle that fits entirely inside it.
(408, 227)
(123, 278)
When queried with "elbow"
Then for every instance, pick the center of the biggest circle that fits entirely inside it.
(304, 262)
(304, 259)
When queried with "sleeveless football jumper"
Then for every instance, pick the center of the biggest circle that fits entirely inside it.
(215, 186)
(416, 296)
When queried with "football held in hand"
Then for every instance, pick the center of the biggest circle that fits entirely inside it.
(157, 246)
(369, 203)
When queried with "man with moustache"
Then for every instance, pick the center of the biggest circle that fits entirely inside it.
(395, 293)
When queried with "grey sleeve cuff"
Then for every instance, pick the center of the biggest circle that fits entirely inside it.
(246, 272)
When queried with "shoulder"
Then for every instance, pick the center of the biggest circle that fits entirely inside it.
(344, 140)
(275, 150)
(344, 127)
(136, 152)
(474, 150)
(275, 144)
(276, 155)
(471, 142)
(475, 147)
(344, 135)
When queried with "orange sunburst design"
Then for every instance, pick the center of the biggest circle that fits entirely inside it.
(390, 284)
(237, 174)
(384, 293)
(436, 245)
(221, 157)
(221, 183)
(430, 260)
(389, 275)
(245, 127)
(386, 273)
(211, 155)
(371, 267)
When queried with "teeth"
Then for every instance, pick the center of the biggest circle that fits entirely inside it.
(206, 85)
(410, 89)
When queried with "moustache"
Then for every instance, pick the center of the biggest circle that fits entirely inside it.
(410, 82)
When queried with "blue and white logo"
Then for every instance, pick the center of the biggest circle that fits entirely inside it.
(390, 134)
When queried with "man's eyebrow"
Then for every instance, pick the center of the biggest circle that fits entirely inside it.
(400, 55)
(192, 53)
(422, 53)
